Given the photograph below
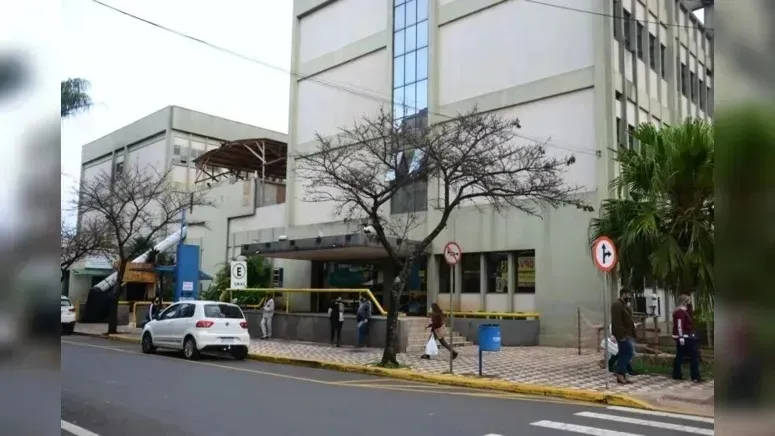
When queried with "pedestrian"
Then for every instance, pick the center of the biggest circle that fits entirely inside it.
(438, 330)
(686, 344)
(623, 329)
(153, 310)
(336, 319)
(362, 317)
(266, 318)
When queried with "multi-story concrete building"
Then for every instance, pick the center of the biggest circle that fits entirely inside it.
(578, 74)
(174, 137)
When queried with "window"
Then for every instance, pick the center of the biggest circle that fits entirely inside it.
(277, 277)
(626, 30)
(445, 285)
(119, 168)
(639, 40)
(630, 138)
(526, 276)
(662, 52)
(619, 132)
(703, 96)
(497, 272)
(410, 58)
(617, 21)
(693, 87)
(229, 311)
(472, 268)
(653, 52)
(187, 310)
(684, 82)
(413, 195)
(170, 312)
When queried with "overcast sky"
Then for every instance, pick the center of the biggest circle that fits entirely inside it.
(136, 69)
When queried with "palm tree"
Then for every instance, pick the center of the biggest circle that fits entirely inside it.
(662, 220)
(75, 97)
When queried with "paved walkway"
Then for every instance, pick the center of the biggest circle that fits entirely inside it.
(549, 366)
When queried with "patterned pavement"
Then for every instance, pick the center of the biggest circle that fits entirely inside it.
(557, 367)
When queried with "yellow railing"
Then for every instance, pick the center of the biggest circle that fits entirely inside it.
(133, 308)
(286, 291)
(497, 315)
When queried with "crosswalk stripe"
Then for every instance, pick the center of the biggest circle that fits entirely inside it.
(655, 424)
(581, 429)
(665, 414)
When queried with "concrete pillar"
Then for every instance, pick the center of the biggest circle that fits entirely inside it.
(483, 281)
(432, 279)
(512, 279)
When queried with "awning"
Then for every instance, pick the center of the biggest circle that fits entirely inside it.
(355, 246)
(93, 272)
(170, 269)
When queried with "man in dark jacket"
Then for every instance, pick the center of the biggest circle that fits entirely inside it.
(623, 329)
(685, 340)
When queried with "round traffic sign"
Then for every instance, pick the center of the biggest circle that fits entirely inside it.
(452, 253)
(238, 270)
(604, 254)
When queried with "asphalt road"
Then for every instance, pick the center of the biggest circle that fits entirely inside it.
(110, 389)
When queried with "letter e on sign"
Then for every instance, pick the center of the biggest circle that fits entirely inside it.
(239, 274)
(604, 254)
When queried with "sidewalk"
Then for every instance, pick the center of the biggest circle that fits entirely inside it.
(560, 368)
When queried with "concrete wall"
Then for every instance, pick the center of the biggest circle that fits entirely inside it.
(123, 314)
(314, 327)
(514, 332)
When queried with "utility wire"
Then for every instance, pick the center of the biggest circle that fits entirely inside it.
(363, 92)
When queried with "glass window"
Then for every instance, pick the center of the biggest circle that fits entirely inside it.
(526, 277)
(411, 12)
(471, 273)
(398, 71)
(410, 67)
(229, 311)
(445, 283)
(422, 34)
(398, 43)
(176, 150)
(692, 90)
(662, 52)
(497, 272)
(398, 18)
(639, 40)
(410, 99)
(653, 51)
(422, 95)
(187, 311)
(171, 312)
(411, 38)
(617, 22)
(626, 31)
(422, 63)
(422, 10)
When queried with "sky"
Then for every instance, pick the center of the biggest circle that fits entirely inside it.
(136, 69)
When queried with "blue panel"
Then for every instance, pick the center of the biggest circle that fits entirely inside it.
(187, 272)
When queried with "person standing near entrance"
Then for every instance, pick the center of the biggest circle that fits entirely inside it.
(438, 330)
(685, 340)
(336, 319)
(623, 329)
(266, 318)
(362, 317)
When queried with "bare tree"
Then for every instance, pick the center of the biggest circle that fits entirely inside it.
(377, 164)
(138, 202)
(89, 238)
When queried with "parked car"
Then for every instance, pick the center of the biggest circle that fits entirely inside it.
(196, 327)
(68, 315)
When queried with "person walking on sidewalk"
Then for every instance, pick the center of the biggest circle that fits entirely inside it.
(336, 319)
(266, 318)
(686, 344)
(362, 317)
(438, 330)
(623, 329)
(153, 310)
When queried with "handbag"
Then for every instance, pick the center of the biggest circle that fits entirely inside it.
(431, 349)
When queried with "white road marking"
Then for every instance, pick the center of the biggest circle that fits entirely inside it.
(581, 429)
(665, 414)
(655, 424)
(76, 430)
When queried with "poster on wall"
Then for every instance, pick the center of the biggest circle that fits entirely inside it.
(526, 276)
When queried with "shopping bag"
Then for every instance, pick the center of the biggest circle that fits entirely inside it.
(611, 345)
(431, 349)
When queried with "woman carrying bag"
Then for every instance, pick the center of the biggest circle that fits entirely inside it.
(438, 332)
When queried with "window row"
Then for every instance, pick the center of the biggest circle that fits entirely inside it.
(496, 273)
(411, 38)
(409, 100)
(407, 13)
(694, 88)
(410, 67)
(182, 155)
(623, 33)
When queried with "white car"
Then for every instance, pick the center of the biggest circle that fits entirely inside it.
(198, 326)
(68, 315)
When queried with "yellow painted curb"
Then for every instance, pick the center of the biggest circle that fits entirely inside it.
(442, 379)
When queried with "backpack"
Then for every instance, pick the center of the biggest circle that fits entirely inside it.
(334, 311)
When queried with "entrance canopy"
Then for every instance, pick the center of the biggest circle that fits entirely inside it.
(355, 246)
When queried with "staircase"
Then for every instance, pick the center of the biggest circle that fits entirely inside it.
(418, 335)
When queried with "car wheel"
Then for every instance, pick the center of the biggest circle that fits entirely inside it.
(190, 351)
(239, 353)
(68, 329)
(147, 344)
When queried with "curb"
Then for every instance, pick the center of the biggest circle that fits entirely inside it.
(440, 379)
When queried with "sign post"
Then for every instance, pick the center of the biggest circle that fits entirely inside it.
(239, 276)
(452, 255)
(605, 257)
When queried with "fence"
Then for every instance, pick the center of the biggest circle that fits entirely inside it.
(286, 292)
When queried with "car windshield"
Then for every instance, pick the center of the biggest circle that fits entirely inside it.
(223, 311)
(64, 302)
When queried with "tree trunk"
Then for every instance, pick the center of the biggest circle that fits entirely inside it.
(115, 295)
(391, 337)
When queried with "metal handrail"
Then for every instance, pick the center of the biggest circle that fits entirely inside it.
(314, 291)
(497, 315)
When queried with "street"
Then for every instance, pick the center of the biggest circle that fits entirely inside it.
(109, 388)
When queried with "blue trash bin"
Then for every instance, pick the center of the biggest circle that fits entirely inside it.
(490, 337)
